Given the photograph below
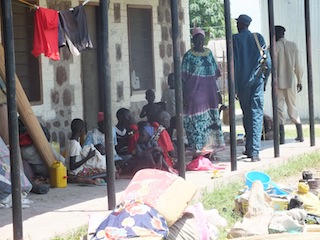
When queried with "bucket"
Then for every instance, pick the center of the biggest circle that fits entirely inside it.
(255, 175)
(58, 175)
(279, 204)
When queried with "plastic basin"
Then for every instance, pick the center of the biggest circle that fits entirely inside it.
(256, 175)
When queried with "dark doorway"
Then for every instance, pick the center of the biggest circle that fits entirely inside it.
(90, 71)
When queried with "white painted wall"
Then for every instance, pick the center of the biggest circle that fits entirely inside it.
(290, 14)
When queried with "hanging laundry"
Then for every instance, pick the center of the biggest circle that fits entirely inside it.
(74, 24)
(61, 35)
(45, 39)
(72, 48)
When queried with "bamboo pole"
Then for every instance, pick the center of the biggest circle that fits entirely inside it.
(28, 118)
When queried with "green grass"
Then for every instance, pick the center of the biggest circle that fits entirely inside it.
(291, 132)
(295, 166)
(73, 234)
(222, 198)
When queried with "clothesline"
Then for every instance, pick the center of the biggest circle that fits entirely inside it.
(66, 28)
(85, 2)
(37, 7)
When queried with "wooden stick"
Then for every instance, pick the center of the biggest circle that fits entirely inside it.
(29, 4)
(28, 118)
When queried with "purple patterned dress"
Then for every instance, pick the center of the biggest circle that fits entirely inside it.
(202, 122)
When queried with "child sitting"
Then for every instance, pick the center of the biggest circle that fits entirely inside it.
(161, 124)
(150, 109)
(148, 153)
(79, 165)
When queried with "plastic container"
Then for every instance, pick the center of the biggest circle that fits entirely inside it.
(58, 175)
(279, 204)
(56, 146)
(277, 190)
(261, 176)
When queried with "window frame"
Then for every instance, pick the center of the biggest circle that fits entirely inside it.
(153, 80)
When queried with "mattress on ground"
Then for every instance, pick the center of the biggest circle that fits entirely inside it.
(169, 194)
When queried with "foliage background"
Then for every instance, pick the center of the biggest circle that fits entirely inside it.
(209, 15)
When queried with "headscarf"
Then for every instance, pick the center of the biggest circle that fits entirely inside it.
(196, 31)
(100, 116)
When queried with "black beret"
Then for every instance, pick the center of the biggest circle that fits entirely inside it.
(279, 29)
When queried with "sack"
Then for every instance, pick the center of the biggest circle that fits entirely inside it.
(5, 177)
(225, 114)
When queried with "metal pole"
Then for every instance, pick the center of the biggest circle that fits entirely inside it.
(309, 71)
(15, 158)
(231, 86)
(178, 87)
(106, 83)
(274, 80)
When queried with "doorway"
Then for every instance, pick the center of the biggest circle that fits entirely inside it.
(90, 71)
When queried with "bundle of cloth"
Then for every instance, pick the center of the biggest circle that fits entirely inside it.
(5, 178)
(157, 205)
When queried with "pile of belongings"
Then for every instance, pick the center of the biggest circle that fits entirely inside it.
(285, 216)
(157, 205)
(5, 180)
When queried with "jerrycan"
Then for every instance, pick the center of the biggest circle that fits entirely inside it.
(58, 175)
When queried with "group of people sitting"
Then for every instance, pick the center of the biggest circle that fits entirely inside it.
(145, 144)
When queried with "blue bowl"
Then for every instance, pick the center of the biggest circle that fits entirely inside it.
(256, 175)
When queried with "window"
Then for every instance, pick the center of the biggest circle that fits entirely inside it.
(27, 66)
(140, 48)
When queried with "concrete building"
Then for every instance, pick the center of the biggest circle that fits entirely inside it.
(140, 54)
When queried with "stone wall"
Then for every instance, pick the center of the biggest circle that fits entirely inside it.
(62, 86)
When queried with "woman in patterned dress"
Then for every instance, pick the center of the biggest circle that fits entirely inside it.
(200, 73)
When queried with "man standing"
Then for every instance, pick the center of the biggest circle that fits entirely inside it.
(248, 51)
(288, 65)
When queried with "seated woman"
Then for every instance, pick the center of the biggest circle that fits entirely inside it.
(83, 169)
